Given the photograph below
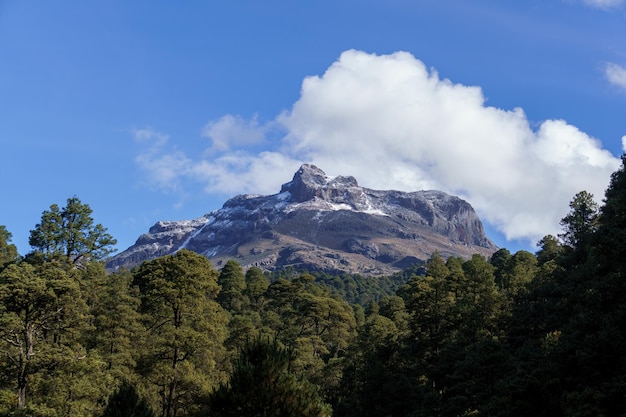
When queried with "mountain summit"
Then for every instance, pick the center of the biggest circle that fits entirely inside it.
(322, 223)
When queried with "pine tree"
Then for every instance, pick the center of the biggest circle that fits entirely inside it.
(262, 384)
(69, 234)
(256, 286)
(41, 316)
(8, 251)
(186, 328)
(118, 329)
(580, 223)
(125, 402)
(232, 284)
(592, 348)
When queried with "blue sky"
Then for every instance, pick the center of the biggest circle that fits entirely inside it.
(154, 110)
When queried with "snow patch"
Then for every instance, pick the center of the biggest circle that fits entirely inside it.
(196, 232)
(374, 212)
(285, 195)
(325, 206)
(341, 206)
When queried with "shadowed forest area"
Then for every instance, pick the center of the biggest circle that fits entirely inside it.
(519, 334)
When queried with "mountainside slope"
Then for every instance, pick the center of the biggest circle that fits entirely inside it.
(322, 223)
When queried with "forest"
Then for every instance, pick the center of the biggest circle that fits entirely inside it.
(518, 334)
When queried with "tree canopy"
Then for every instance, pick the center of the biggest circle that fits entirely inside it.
(263, 384)
(8, 251)
(70, 233)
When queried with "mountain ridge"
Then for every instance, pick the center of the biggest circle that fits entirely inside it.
(322, 223)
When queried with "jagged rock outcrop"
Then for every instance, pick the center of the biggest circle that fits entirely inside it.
(324, 223)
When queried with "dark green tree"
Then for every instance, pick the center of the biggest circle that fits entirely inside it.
(430, 303)
(306, 317)
(263, 384)
(591, 349)
(478, 302)
(610, 239)
(232, 284)
(393, 307)
(69, 233)
(514, 276)
(256, 286)
(41, 315)
(117, 321)
(567, 332)
(500, 262)
(378, 377)
(550, 249)
(476, 314)
(8, 251)
(184, 351)
(125, 402)
(581, 221)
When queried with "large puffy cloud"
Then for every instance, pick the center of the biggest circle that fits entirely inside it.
(395, 124)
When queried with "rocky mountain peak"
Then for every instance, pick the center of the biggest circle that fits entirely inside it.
(324, 223)
(310, 182)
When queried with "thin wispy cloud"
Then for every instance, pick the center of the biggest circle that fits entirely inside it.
(219, 170)
(230, 132)
(164, 168)
(393, 123)
(604, 4)
(616, 74)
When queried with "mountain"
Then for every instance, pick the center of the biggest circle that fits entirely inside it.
(322, 223)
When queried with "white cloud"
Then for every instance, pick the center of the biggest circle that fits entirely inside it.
(151, 136)
(234, 131)
(164, 169)
(604, 4)
(395, 124)
(241, 172)
(616, 74)
(228, 173)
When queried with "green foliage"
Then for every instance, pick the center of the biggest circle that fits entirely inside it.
(478, 301)
(311, 320)
(69, 233)
(592, 345)
(423, 354)
(42, 315)
(513, 273)
(256, 286)
(8, 251)
(377, 377)
(232, 284)
(263, 384)
(550, 249)
(125, 402)
(354, 288)
(183, 353)
(118, 323)
(581, 221)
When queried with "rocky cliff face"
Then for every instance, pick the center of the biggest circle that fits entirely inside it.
(322, 223)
